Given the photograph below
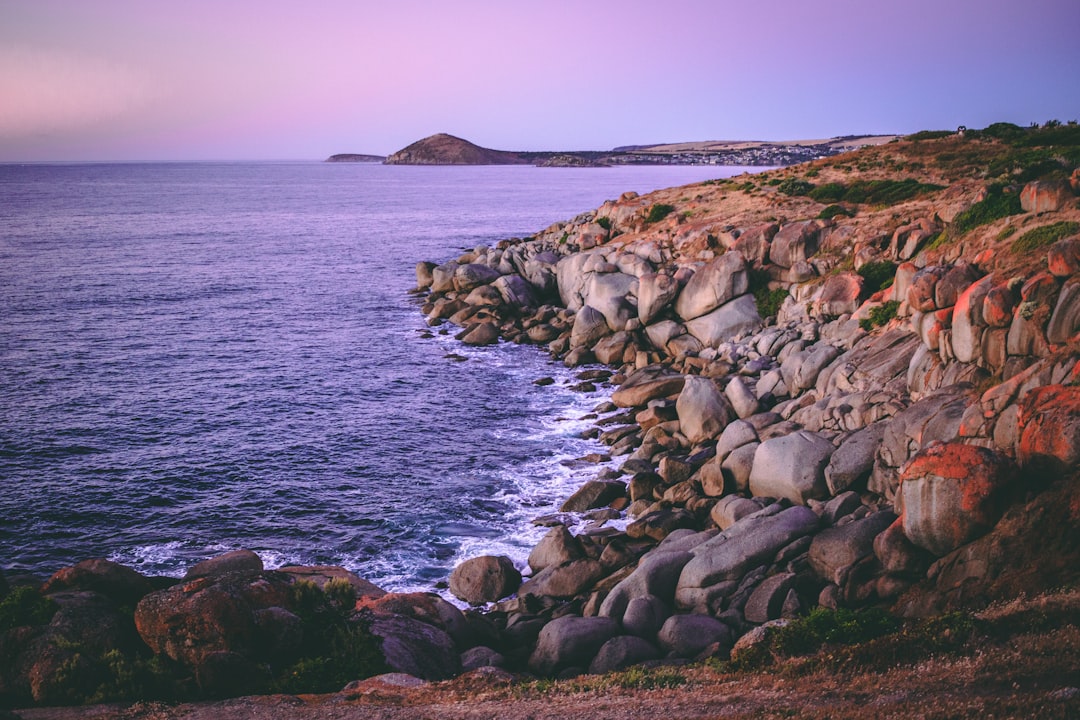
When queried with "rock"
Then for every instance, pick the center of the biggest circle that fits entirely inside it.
(663, 332)
(655, 292)
(840, 506)
(686, 636)
(703, 410)
(607, 293)
(480, 334)
(735, 435)
(564, 580)
(1040, 196)
(840, 294)
(792, 466)
(835, 550)
(955, 280)
(796, 242)
(645, 615)
(120, 584)
(767, 600)
(589, 326)
(953, 493)
(674, 470)
(737, 317)
(998, 306)
(322, 574)
(1063, 257)
(749, 543)
(442, 277)
(920, 295)
(570, 641)
(645, 385)
(485, 296)
(851, 463)
(484, 579)
(622, 652)
(481, 656)
(801, 369)
(658, 524)
(898, 555)
(515, 291)
(742, 399)
(731, 509)
(612, 349)
(237, 561)
(416, 648)
(656, 575)
(755, 242)
(1065, 322)
(718, 282)
(594, 494)
(738, 466)
(473, 275)
(556, 547)
(383, 684)
(1049, 431)
(968, 322)
(423, 274)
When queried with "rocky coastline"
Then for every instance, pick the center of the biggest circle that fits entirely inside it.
(848, 384)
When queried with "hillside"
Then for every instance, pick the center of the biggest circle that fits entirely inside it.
(355, 158)
(443, 149)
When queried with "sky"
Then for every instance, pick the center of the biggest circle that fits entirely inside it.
(132, 80)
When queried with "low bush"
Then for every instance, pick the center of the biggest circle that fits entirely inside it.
(929, 135)
(25, 606)
(604, 222)
(1045, 235)
(658, 212)
(834, 211)
(873, 192)
(880, 315)
(877, 275)
(997, 204)
(795, 186)
(768, 301)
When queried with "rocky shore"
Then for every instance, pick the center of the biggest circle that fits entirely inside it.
(847, 384)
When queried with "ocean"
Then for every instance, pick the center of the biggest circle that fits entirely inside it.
(196, 358)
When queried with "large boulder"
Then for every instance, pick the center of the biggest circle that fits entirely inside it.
(796, 242)
(556, 547)
(713, 285)
(647, 384)
(594, 494)
(416, 648)
(835, 550)
(953, 493)
(968, 322)
(687, 636)
(703, 409)
(118, 583)
(850, 465)
(515, 291)
(840, 294)
(589, 326)
(1040, 196)
(1049, 430)
(237, 561)
(320, 575)
(749, 543)
(608, 293)
(655, 292)
(1065, 322)
(792, 466)
(737, 317)
(473, 275)
(622, 652)
(564, 580)
(484, 579)
(570, 641)
(655, 576)
(767, 601)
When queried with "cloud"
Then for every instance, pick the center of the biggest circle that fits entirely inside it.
(47, 91)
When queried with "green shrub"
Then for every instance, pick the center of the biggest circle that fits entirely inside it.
(929, 135)
(997, 204)
(823, 626)
(828, 193)
(658, 212)
(874, 192)
(772, 182)
(604, 222)
(876, 275)
(834, 211)
(346, 651)
(880, 315)
(768, 301)
(1045, 235)
(25, 606)
(795, 186)
(812, 173)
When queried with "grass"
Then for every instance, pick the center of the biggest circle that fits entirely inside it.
(634, 678)
(997, 204)
(1043, 236)
(768, 301)
(880, 315)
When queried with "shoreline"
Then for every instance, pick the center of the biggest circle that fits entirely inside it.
(838, 413)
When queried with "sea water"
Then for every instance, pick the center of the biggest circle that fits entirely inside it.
(196, 358)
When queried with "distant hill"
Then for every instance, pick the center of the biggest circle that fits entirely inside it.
(443, 149)
(355, 158)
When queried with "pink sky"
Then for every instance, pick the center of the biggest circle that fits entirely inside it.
(268, 79)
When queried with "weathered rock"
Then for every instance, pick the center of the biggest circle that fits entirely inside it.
(840, 294)
(998, 306)
(1065, 322)
(968, 322)
(1049, 430)
(322, 574)
(645, 385)
(921, 292)
(442, 277)
(116, 582)
(656, 575)
(515, 291)
(792, 466)
(473, 275)
(742, 399)
(570, 641)
(237, 561)
(484, 579)
(622, 652)
(417, 648)
(686, 636)
(607, 293)
(589, 326)
(658, 524)
(1040, 196)
(611, 349)
(738, 466)
(423, 274)
(735, 435)
(767, 601)
(713, 285)
(481, 656)
(564, 580)
(703, 410)
(594, 494)
(952, 494)
(755, 242)
(1063, 257)
(655, 292)
(731, 509)
(645, 615)
(851, 463)
(835, 550)
(796, 242)
(955, 280)
(737, 317)
(480, 334)
(556, 547)
(898, 555)
(749, 543)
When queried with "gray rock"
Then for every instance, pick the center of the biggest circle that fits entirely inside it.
(840, 506)
(594, 494)
(686, 636)
(853, 460)
(607, 293)
(237, 561)
(663, 332)
(484, 579)
(473, 275)
(654, 294)
(423, 274)
(622, 652)
(645, 615)
(416, 648)
(1065, 322)
(515, 291)
(556, 547)
(737, 317)
(747, 544)
(735, 435)
(713, 285)
(703, 410)
(656, 574)
(767, 601)
(729, 510)
(796, 242)
(835, 550)
(565, 580)
(742, 399)
(481, 656)
(570, 641)
(792, 466)
(737, 467)
(647, 384)
(442, 277)
(589, 326)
